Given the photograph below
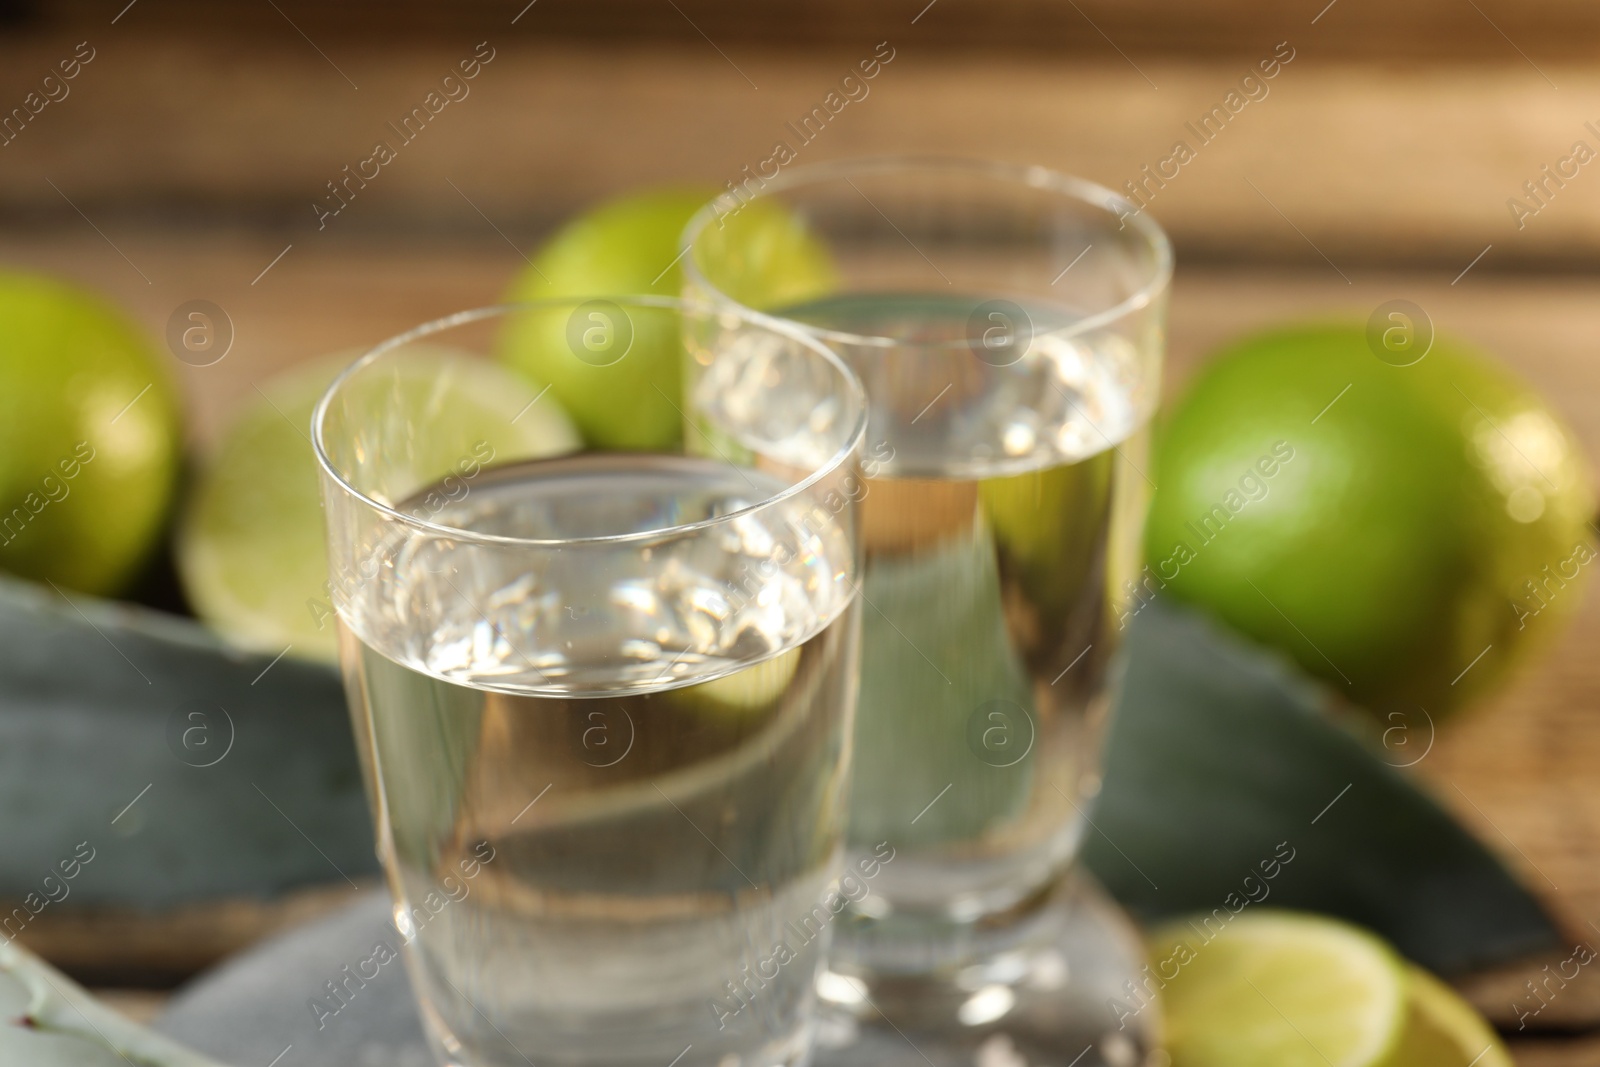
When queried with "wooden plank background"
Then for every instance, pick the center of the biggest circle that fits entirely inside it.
(1418, 30)
(1367, 164)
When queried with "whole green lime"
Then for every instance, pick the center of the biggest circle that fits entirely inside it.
(90, 438)
(1404, 532)
(620, 379)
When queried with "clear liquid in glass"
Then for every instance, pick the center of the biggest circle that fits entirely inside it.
(644, 776)
(1001, 525)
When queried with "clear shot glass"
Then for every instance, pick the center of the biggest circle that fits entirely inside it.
(1008, 325)
(604, 699)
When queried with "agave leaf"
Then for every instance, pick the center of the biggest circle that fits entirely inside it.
(912, 722)
(48, 1021)
(188, 769)
(1220, 752)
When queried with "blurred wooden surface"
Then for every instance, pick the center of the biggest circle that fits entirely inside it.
(1367, 163)
(185, 161)
(1417, 29)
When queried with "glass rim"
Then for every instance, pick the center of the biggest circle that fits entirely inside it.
(1030, 175)
(783, 327)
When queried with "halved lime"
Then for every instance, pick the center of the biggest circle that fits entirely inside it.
(1442, 1030)
(1278, 989)
(250, 544)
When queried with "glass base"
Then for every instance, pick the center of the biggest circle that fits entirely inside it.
(1052, 993)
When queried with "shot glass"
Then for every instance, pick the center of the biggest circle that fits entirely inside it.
(603, 698)
(1008, 325)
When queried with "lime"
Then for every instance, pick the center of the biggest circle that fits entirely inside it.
(621, 379)
(250, 543)
(753, 689)
(1278, 989)
(1442, 1030)
(1404, 532)
(1050, 523)
(764, 256)
(90, 439)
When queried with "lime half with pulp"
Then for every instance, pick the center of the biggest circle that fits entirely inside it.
(1442, 1030)
(250, 546)
(1279, 989)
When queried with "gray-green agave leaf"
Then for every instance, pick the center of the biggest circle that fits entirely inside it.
(46, 1020)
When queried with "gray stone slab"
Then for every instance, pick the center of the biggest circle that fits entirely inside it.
(250, 1009)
